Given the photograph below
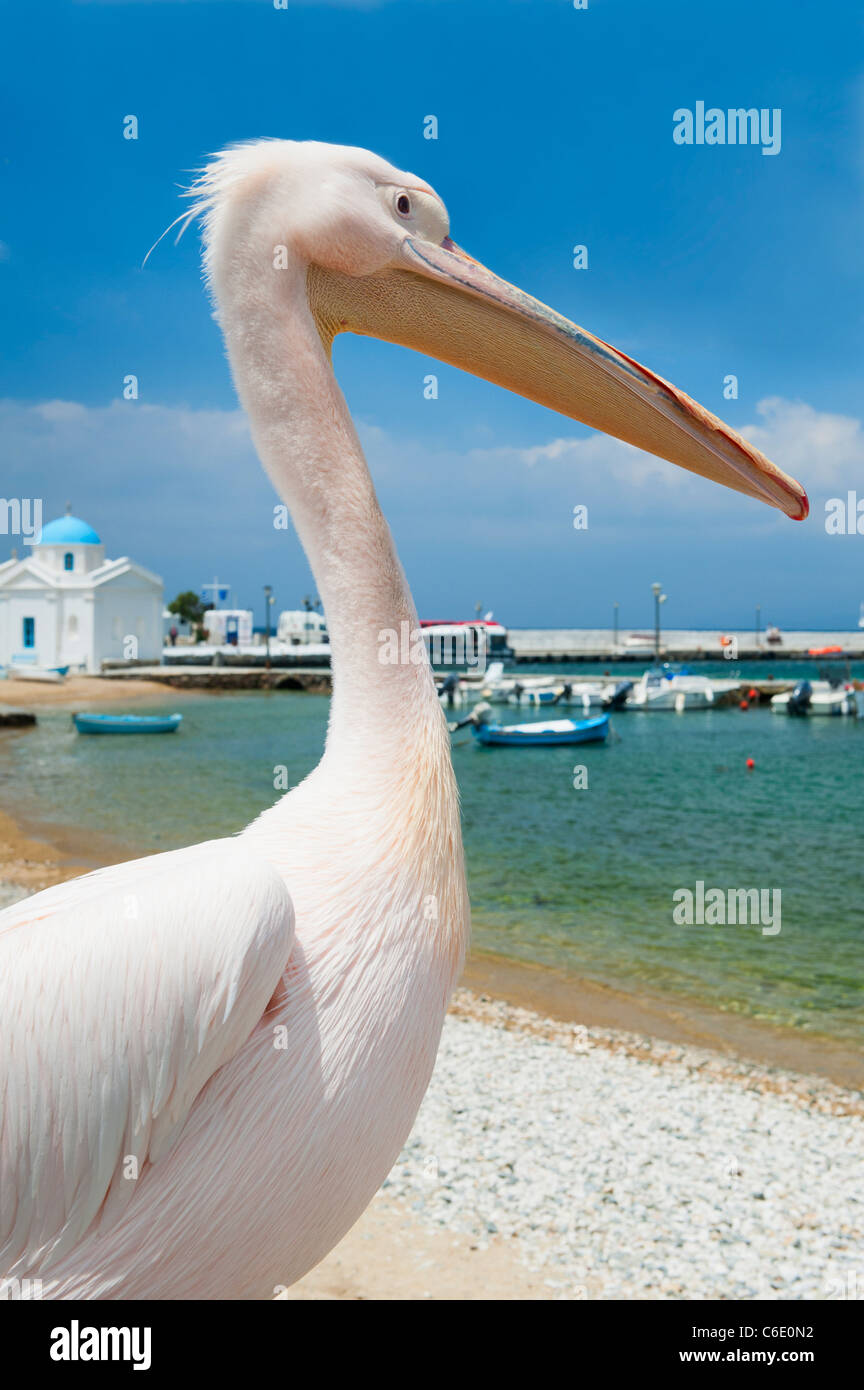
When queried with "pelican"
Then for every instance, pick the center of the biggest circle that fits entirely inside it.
(212, 1057)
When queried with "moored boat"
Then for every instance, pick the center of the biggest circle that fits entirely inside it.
(535, 691)
(666, 688)
(820, 698)
(52, 674)
(127, 723)
(546, 732)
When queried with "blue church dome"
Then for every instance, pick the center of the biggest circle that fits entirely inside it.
(68, 530)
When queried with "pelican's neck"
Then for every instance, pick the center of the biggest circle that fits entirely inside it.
(308, 445)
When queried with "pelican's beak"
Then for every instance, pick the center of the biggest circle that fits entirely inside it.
(441, 302)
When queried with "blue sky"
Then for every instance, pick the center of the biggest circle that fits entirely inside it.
(555, 129)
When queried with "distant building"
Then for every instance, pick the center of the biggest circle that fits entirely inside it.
(301, 628)
(66, 605)
(228, 627)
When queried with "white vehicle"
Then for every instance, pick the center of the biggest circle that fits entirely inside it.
(662, 688)
(467, 643)
(301, 628)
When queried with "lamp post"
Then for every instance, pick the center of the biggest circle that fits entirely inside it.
(268, 603)
(758, 626)
(615, 629)
(659, 597)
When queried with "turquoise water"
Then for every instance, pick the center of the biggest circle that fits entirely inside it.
(579, 879)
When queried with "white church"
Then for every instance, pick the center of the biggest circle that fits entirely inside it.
(66, 605)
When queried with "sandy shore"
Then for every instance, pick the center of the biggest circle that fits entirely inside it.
(580, 1142)
(82, 692)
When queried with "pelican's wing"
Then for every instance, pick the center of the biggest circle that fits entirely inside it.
(121, 993)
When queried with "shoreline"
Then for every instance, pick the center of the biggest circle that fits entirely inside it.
(79, 691)
(573, 999)
(34, 856)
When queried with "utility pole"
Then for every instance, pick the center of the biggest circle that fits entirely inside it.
(268, 600)
(659, 597)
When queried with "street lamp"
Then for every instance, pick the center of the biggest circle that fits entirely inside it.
(268, 603)
(659, 597)
(615, 629)
(758, 626)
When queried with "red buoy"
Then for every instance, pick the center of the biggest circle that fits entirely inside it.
(744, 705)
(750, 764)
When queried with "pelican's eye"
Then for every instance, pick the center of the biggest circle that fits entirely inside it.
(419, 210)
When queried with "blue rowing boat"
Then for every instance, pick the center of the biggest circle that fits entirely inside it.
(127, 723)
(553, 731)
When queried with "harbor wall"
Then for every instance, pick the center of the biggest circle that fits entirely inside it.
(679, 644)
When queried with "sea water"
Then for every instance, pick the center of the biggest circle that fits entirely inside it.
(575, 855)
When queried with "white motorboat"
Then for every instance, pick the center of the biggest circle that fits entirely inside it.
(820, 697)
(665, 688)
(586, 696)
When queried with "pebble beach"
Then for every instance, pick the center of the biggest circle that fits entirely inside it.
(615, 1166)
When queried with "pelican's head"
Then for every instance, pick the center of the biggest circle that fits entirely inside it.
(374, 243)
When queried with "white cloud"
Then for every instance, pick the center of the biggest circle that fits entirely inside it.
(202, 461)
(820, 448)
(145, 476)
(182, 491)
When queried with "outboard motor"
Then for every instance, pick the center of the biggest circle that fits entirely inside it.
(619, 696)
(481, 714)
(563, 694)
(799, 700)
(448, 689)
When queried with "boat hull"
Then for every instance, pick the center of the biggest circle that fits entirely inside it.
(676, 700)
(126, 723)
(664, 689)
(849, 703)
(53, 675)
(555, 732)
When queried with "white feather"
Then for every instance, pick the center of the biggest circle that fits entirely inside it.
(121, 994)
